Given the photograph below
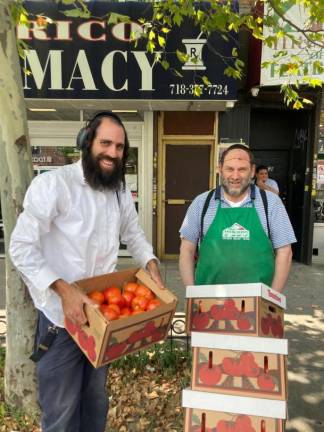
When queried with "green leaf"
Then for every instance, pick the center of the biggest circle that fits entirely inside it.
(23, 19)
(165, 30)
(197, 90)
(76, 13)
(234, 52)
(177, 18)
(206, 80)
(165, 64)
(150, 46)
(200, 15)
(182, 56)
(161, 41)
(297, 105)
(307, 101)
(115, 18)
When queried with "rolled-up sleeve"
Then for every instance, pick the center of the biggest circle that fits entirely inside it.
(190, 228)
(25, 243)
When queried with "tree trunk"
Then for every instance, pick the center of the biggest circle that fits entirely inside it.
(16, 173)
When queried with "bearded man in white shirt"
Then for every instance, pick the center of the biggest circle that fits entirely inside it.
(73, 220)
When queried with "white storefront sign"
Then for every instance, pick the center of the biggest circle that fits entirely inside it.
(311, 54)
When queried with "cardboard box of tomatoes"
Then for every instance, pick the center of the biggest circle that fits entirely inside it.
(239, 365)
(212, 412)
(132, 313)
(251, 309)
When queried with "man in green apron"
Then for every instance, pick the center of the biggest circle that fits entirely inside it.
(242, 237)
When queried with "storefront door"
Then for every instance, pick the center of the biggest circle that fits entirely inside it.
(187, 167)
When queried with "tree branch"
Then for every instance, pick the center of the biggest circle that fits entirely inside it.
(295, 26)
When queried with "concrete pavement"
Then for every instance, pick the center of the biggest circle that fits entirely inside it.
(304, 325)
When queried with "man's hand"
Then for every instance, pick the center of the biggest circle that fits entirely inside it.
(153, 269)
(264, 186)
(261, 184)
(73, 301)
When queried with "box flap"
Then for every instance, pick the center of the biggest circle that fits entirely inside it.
(234, 404)
(236, 290)
(239, 343)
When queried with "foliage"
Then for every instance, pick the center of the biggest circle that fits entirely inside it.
(222, 17)
(225, 18)
(145, 390)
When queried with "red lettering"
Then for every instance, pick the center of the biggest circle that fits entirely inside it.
(274, 296)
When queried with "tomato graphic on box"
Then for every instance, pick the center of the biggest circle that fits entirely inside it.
(242, 309)
(230, 364)
(226, 413)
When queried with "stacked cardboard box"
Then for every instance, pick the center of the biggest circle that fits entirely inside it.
(239, 359)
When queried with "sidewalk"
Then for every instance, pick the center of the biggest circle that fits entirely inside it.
(304, 327)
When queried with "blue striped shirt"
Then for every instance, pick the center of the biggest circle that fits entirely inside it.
(281, 230)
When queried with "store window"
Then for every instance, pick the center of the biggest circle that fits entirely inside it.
(49, 157)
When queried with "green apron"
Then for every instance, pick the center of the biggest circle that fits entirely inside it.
(235, 249)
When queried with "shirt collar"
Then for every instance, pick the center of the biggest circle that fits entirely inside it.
(246, 200)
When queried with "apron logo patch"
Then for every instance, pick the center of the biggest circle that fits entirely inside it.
(236, 232)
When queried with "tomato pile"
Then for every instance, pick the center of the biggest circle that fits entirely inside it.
(133, 299)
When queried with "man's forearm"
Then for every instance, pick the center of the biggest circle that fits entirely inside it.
(187, 266)
(282, 267)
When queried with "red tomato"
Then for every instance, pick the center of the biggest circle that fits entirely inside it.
(144, 291)
(97, 296)
(125, 312)
(111, 291)
(117, 299)
(128, 297)
(108, 312)
(114, 307)
(130, 287)
(139, 302)
(153, 304)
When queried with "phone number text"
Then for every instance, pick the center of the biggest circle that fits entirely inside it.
(211, 89)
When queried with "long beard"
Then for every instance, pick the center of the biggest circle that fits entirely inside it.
(98, 178)
(235, 192)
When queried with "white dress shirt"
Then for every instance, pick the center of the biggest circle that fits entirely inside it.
(70, 231)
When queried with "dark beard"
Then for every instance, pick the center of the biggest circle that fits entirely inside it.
(99, 179)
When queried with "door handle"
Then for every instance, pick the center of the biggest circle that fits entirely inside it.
(177, 201)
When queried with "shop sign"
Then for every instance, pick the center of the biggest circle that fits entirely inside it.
(312, 55)
(320, 173)
(91, 59)
(42, 159)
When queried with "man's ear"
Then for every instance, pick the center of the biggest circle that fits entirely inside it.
(253, 171)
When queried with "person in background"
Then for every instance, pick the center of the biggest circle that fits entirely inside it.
(263, 181)
(73, 220)
(239, 240)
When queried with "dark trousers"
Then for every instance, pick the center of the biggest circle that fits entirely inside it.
(72, 394)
